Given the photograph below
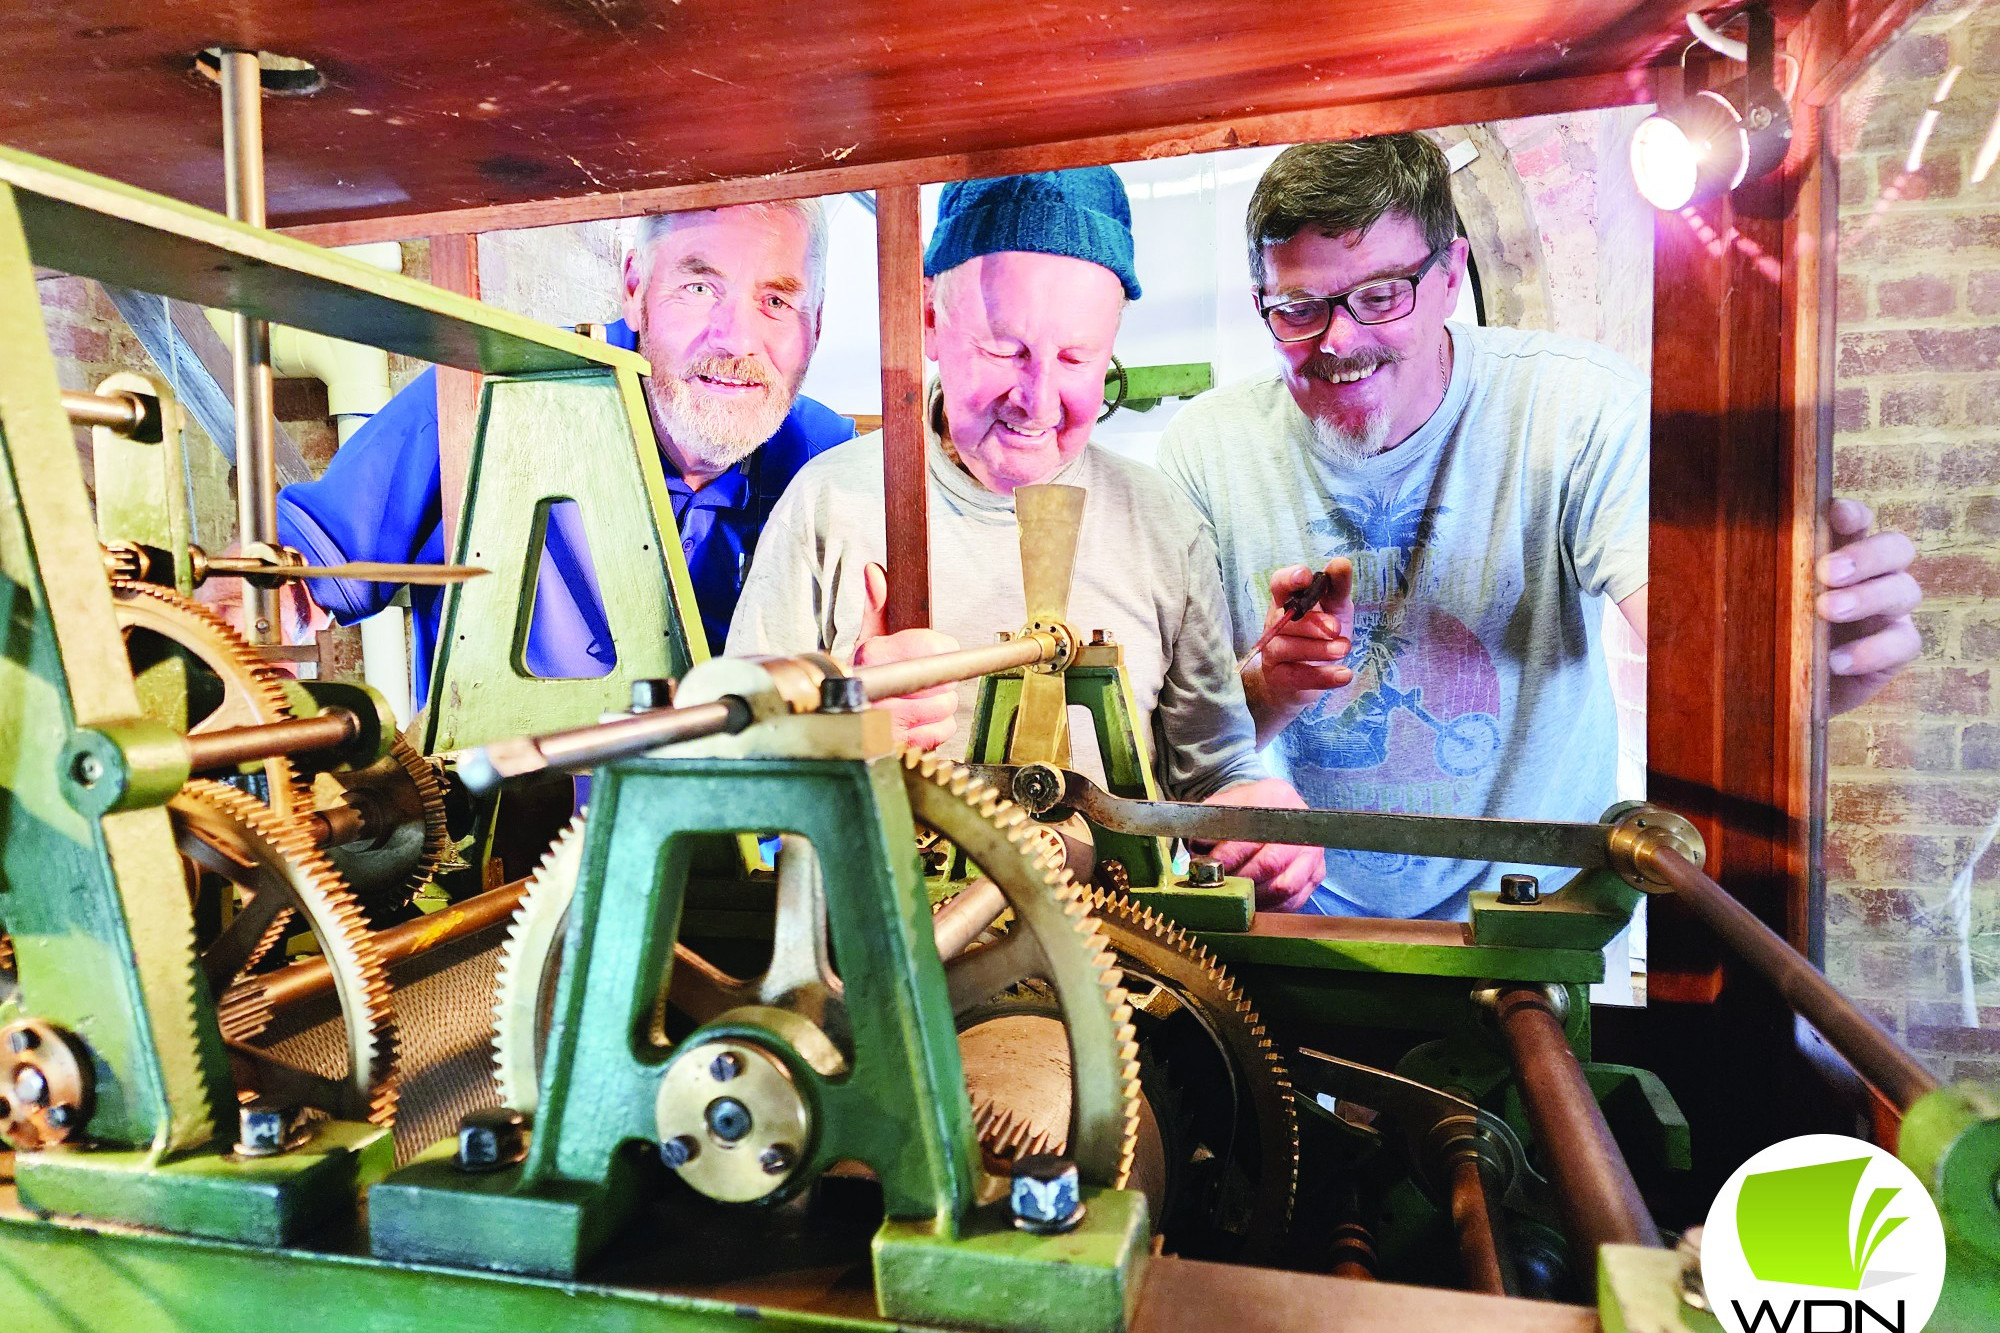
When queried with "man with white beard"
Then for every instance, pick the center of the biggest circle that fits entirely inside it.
(1477, 490)
(725, 305)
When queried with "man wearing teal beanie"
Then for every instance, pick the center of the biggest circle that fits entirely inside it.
(1026, 280)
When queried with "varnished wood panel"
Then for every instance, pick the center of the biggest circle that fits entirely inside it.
(455, 267)
(434, 108)
(899, 250)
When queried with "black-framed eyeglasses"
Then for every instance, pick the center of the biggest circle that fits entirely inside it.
(1381, 302)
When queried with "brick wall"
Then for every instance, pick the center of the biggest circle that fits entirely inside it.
(1914, 778)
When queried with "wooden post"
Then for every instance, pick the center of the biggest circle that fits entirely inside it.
(899, 268)
(455, 267)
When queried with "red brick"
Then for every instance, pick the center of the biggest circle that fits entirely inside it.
(1940, 691)
(1917, 518)
(1891, 119)
(1923, 297)
(1980, 640)
(1982, 292)
(1980, 747)
(1934, 626)
(1914, 56)
(1913, 746)
(1946, 1013)
(1857, 189)
(1982, 515)
(1876, 855)
(1968, 466)
(1955, 1040)
(1961, 574)
(1850, 413)
(75, 342)
(1852, 301)
(1923, 405)
(64, 293)
(1914, 351)
(1846, 743)
(1971, 1071)
(1891, 467)
(1939, 177)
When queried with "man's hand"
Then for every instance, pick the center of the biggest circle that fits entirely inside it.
(1307, 657)
(1867, 598)
(926, 719)
(1285, 876)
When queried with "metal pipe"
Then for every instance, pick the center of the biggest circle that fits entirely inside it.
(587, 747)
(623, 738)
(962, 920)
(250, 341)
(125, 413)
(1472, 1218)
(1861, 1041)
(216, 751)
(267, 994)
(892, 680)
(1599, 1199)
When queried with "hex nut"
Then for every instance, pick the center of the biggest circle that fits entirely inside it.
(261, 1130)
(1520, 890)
(1204, 872)
(1046, 1196)
(491, 1140)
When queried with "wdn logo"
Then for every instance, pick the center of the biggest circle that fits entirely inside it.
(1823, 1234)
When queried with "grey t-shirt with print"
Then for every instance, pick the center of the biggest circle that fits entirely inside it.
(1480, 686)
(1145, 570)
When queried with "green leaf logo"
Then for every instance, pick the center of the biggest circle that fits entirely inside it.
(1794, 1225)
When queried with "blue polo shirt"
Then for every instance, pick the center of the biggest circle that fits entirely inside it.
(380, 500)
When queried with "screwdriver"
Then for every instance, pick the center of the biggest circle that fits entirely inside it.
(1296, 607)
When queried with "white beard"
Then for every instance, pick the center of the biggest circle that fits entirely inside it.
(1339, 446)
(712, 433)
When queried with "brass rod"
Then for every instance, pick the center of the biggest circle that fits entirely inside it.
(1861, 1041)
(892, 680)
(962, 920)
(250, 340)
(217, 751)
(120, 412)
(1479, 1252)
(1599, 1200)
(273, 991)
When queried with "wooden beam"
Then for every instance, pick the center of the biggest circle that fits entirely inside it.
(899, 264)
(455, 267)
(1837, 39)
(1430, 111)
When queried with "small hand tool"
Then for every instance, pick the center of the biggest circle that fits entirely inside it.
(1296, 606)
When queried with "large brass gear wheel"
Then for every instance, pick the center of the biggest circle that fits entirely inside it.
(226, 832)
(1054, 937)
(244, 691)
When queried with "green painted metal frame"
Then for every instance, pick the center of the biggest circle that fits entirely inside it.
(93, 898)
(584, 437)
(902, 1108)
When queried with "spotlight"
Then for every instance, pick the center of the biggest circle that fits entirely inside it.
(1707, 144)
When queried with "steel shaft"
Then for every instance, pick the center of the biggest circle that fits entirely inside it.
(1861, 1041)
(217, 751)
(124, 413)
(250, 340)
(1599, 1199)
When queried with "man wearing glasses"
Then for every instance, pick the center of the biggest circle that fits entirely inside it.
(1471, 490)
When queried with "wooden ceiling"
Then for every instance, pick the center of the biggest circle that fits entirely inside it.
(441, 105)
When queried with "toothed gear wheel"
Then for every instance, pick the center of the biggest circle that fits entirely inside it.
(225, 831)
(401, 792)
(252, 690)
(1054, 937)
(1245, 1201)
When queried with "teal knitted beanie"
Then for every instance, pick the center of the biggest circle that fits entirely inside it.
(1082, 213)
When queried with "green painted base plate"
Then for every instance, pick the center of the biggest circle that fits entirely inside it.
(257, 1200)
(997, 1277)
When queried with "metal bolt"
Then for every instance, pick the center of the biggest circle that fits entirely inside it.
(725, 1066)
(491, 1139)
(1037, 787)
(22, 1040)
(1520, 889)
(776, 1159)
(1100, 637)
(678, 1151)
(1046, 1196)
(31, 1085)
(1759, 117)
(843, 694)
(650, 693)
(261, 1130)
(1204, 872)
(728, 1119)
(63, 1115)
(88, 769)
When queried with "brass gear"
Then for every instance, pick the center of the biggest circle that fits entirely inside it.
(1052, 917)
(253, 690)
(401, 789)
(230, 833)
